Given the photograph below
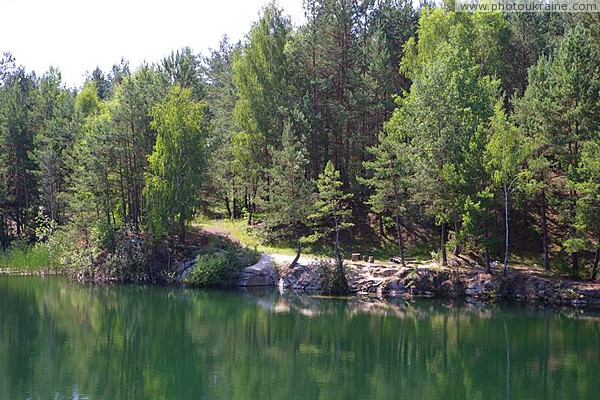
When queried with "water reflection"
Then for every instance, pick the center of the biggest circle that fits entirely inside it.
(59, 340)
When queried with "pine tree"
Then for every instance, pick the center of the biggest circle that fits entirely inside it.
(53, 144)
(290, 193)
(390, 176)
(531, 113)
(331, 206)
(588, 204)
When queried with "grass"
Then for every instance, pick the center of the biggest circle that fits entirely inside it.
(382, 250)
(20, 258)
(241, 231)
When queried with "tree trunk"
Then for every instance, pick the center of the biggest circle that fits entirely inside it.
(488, 261)
(572, 233)
(229, 215)
(506, 229)
(456, 251)
(575, 260)
(123, 201)
(545, 232)
(250, 212)
(297, 237)
(400, 240)
(181, 228)
(443, 245)
(380, 222)
(337, 240)
(486, 255)
(596, 262)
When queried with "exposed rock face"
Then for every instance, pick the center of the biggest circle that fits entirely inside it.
(301, 277)
(434, 281)
(390, 281)
(263, 273)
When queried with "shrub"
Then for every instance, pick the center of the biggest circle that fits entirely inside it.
(334, 280)
(115, 255)
(221, 268)
(129, 261)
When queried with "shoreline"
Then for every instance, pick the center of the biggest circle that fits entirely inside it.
(390, 282)
(434, 281)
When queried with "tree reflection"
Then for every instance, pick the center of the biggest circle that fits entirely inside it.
(166, 343)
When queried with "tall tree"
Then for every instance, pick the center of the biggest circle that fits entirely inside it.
(448, 100)
(575, 118)
(17, 167)
(531, 113)
(260, 75)
(331, 206)
(184, 68)
(290, 193)
(505, 155)
(588, 204)
(176, 165)
(390, 176)
(53, 143)
(221, 97)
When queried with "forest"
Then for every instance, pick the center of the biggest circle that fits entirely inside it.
(478, 131)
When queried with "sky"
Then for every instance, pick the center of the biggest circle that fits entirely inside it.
(78, 35)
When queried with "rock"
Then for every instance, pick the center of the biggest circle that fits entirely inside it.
(263, 273)
(394, 287)
(579, 303)
(426, 281)
(185, 267)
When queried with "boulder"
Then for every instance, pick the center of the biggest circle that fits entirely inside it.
(263, 273)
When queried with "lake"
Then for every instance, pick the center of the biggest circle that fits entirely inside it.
(61, 340)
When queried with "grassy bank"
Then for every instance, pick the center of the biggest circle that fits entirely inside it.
(380, 248)
(26, 259)
(248, 237)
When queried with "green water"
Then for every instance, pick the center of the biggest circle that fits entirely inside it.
(65, 341)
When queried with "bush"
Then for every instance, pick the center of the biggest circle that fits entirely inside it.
(129, 261)
(114, 255)
(221, 268)
(334, 280)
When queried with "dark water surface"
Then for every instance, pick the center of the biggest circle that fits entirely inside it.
(60, 340)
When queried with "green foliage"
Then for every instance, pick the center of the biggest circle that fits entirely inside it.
(221, 268)
(23, 257)
(250, 130)
(176, 165)
(261, 80)
(290, 194)
(105, 255)
(331, 209)
(333, 277)
(505, 155)
(588, 204)
(506, 150)
(87, 101)
(129, 261)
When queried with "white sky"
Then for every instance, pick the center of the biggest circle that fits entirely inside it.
(78, 35)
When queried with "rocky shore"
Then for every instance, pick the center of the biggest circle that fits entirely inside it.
(386, 280)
